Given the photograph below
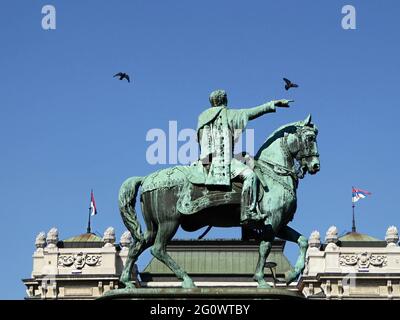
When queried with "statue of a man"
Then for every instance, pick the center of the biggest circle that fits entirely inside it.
(217, 130)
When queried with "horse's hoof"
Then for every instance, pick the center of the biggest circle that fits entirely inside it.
(188, 284)
(129, 285)
(263, 285)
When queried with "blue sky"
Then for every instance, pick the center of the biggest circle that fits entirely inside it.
(67, 126)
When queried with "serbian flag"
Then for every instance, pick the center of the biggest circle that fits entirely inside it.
(93, 209)
(358, 194)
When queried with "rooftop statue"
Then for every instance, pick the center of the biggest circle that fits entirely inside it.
(219, 190)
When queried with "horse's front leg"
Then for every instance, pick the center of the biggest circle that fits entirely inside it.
(289, 234)
(264, 250)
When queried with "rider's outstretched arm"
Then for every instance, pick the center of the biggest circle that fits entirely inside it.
(268, 107)
(253, 113)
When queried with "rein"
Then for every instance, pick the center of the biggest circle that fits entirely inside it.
(271, 170)
(269, 167)
(279, 169)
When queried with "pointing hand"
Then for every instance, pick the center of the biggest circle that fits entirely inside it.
(283, 103)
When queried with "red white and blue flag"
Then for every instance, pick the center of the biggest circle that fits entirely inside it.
(93, 209)
(358, 194)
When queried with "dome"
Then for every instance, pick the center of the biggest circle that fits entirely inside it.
(355, 239)
(86, 237)
(85, 240)
(355, 236)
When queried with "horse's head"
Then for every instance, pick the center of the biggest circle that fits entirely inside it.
(303, 146)
(290, 144)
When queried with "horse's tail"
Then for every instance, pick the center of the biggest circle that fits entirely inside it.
(127, 201)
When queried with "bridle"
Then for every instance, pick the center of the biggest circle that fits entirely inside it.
(304, 147)
(303, 153)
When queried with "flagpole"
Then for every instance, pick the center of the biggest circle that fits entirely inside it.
(88, 230)
(353, 229)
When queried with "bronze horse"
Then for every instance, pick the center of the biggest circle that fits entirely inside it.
(289, 147)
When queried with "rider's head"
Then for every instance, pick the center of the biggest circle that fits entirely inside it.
(218, 98)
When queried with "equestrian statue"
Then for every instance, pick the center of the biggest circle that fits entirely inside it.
(221, 190)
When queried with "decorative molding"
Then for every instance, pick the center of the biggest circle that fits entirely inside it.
(79, 261)
(363, 260)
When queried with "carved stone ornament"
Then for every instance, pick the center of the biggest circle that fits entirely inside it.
(363, 260)
(109, 237)
(315, 240)
(40, 241)
(126, 239)
(79, 260)
(52, 238)
(331, 235)
(392, 236)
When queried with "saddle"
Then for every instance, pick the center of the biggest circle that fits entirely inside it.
(195, 198)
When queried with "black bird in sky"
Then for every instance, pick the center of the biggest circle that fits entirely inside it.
(289, 84)
(123, 76)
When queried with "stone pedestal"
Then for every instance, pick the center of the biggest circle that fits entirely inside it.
(203, 294)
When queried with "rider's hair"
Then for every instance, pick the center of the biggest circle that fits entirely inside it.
(218, 98)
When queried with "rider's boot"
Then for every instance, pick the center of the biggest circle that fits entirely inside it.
(248, 202)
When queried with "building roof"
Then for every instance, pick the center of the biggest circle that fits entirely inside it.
(355, 236)
(86, 237)
(86, 240)
(355, 239)
(217, 258)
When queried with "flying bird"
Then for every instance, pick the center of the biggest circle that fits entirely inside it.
(123, 76)
(289, 84)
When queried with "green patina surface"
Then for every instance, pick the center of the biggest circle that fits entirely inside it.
(285, 157)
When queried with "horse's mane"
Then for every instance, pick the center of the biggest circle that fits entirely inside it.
(279, 133)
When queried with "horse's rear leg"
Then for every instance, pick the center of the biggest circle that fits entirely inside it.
(165, 233)
(133, 254)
